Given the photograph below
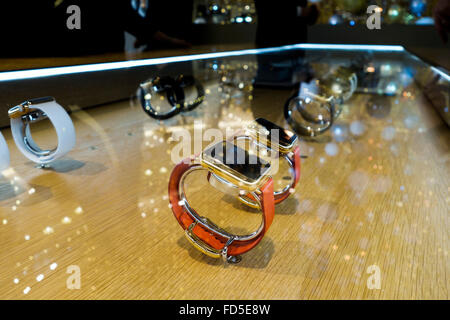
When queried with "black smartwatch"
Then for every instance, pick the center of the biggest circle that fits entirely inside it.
(167, 85)
(184, 82)
(174, 90)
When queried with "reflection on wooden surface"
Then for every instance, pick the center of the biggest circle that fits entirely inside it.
(373, 192)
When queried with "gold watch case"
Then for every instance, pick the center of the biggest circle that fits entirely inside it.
(241, 166)
(261, 130)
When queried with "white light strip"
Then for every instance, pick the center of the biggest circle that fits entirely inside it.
(108, 66)
(441, 73)
(349, 47)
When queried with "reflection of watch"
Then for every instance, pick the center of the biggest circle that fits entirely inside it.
(174, 90)
(247, 174)
(36, 110)
(283, 142)
(4, 153)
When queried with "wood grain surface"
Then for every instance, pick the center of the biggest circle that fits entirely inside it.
(373, 193)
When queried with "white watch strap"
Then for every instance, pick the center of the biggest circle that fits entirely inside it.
(64, 130)
(4, 153)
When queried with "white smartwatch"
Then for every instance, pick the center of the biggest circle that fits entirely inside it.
(36, 110)
(4, 154)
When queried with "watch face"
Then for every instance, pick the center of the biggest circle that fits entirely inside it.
(264, 128)
(235, 164)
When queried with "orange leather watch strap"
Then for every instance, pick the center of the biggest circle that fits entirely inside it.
(207, 234)
(297, 166)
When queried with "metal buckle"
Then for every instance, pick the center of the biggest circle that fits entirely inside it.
(207, 249)
(21, 110)
(26, 111)
(200, 244)
(226, 257)
(33, 116)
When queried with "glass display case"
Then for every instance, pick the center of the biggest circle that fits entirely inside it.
(368, 218)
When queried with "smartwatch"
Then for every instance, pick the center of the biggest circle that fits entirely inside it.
(36, 110)
(244, 172)
(315, 113)
(280, 141)
(341, 84)
(349, 74)
(161, 85)
(4, 154)
(174, 89)
(285, 143)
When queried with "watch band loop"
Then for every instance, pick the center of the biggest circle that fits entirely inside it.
(295, 160)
